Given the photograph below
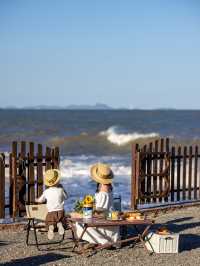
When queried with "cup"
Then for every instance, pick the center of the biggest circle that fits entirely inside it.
(115, 215)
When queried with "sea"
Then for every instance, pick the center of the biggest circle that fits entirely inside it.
(86, 137)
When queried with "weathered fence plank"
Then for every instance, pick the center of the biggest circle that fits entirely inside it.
(21, 179)
(173, 152)
(2, 187)
(167, 153)
(143, 174)
(39, 171)
(15, 196)
(149, 166)
(48, 159)
(134, 184)
(155, 166)
(31, 176)
(56, 157)
(184, 172)
(11, 186)
(195, 171)
(190, 173)
(178, 173)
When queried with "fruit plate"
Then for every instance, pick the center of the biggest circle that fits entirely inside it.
(162, 233)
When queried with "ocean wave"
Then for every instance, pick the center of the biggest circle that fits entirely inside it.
(121, 139)
(111, 141)
(75, 172)
(79, 166)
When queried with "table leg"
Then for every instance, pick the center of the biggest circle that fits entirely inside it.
(142, 236)
(77, 240)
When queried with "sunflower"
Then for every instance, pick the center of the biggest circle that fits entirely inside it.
(88, 199)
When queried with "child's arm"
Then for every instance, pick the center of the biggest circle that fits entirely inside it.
(65, 194)
(41, 199)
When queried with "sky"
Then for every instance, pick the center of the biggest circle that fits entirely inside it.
(133, 54)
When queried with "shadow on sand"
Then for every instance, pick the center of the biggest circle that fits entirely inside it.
(4, 243)
(188, 242)
(37, 260)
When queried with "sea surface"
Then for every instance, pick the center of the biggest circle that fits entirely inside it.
(88, 137)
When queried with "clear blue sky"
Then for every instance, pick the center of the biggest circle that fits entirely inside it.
(143, 54)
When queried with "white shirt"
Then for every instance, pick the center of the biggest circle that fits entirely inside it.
(104, 200)
(54, 196)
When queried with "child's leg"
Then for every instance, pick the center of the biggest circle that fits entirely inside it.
(60, 215)
(51, 222)
(50, 233)
(61, 230)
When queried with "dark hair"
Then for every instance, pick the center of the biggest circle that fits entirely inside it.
(109, 185)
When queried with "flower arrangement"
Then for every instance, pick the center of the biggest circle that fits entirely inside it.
(79, 204)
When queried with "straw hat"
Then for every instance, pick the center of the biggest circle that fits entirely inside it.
(51, 177)
(101, 173)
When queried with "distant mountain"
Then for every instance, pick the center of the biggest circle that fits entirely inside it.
(97, 106)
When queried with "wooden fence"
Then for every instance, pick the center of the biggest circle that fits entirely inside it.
(162, 174)
(21, 175)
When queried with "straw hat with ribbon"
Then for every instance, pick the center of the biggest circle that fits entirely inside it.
(51, 177)
(102, 173)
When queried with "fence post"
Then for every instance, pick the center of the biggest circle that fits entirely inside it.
(56, 157)
(14, 186)
(2, 186)
(11, 186)
(21, 179)
(31, 176)
(155, 170)
(48, 159)
(39, 171)
(134, 176)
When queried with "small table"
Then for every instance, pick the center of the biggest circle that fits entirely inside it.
(141, 226)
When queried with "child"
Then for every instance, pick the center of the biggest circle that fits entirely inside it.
(54, 196)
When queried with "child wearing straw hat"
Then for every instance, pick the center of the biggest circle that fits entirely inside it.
(54, 197)
(103, 176)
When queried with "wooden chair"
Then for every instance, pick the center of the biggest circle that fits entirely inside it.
(36, 215)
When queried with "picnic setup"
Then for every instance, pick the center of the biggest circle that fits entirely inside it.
(98, 221)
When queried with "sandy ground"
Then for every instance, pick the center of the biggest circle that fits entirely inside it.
(13, 250)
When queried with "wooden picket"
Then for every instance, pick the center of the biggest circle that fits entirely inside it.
(2, 186)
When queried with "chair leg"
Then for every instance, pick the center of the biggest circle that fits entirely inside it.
(27, 232)
(35, 234)
(63, 237)
(73, 234)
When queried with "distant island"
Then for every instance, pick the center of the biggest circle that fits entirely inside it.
(97, 106)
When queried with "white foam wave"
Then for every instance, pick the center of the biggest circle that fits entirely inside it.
(80, 167)
(121, 139)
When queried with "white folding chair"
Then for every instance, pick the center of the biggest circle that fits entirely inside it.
(36, 215)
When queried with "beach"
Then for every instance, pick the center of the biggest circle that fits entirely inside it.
(184, 221)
